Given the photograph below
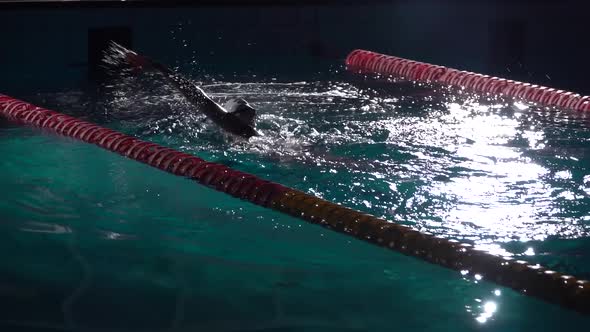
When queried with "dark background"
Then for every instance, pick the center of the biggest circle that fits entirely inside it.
(52, 44)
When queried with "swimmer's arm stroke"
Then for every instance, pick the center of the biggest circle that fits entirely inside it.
(240, 121)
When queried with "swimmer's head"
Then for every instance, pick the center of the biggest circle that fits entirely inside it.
(242, 110)
(236, 104)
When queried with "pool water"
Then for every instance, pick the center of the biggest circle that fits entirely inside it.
(96, 242)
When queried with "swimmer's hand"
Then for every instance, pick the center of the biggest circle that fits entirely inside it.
(117, 57)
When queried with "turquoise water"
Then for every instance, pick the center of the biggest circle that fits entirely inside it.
(96, 242)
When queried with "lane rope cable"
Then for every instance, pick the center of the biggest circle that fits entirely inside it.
(529, 279)
(367, 62)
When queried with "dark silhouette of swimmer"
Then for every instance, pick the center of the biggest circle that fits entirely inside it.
(237, 117)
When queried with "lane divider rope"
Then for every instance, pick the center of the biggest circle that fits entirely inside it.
(367, 62)
(529, 279)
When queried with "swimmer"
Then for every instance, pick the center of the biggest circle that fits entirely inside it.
(237, 117)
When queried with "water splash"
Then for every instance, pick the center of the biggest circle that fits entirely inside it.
(481, 170)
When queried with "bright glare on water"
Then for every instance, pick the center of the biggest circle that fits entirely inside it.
(509, 177)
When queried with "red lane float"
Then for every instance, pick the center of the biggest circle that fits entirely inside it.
(529, 279)
(242, 185)
(367, 62)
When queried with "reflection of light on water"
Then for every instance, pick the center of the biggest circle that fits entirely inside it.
(492, 248)
(563, 175)
(520, 106)
(493, 205)
(503, 192)
(535, 138)
(489, 308)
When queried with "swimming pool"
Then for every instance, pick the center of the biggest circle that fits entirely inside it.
(99, 242)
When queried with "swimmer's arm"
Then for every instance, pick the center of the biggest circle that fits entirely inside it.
(196, 96)
(189, 89)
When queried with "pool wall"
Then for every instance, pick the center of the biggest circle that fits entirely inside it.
(540, 42)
